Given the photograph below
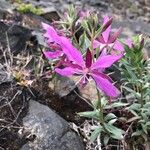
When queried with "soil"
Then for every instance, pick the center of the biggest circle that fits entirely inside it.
(70, 104)
(13, 107)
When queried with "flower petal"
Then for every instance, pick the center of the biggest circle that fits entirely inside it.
(71, 52)
(129, 43)
(105, 61)
(88, 58)
(51, 34)
(106, 33)
(96, 44)
(118, 46)
(52, 55)
(105, 85)
(68, 71)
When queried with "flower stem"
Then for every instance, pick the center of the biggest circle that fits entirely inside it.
(100, 107)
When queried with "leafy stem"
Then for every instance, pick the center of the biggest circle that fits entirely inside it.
(100, 107)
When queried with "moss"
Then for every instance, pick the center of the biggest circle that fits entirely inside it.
(29, 8)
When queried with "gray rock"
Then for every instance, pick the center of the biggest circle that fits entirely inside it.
(17, 35)
(50, 130)
(40, 38)
(50, 14)
(63, 85)
(4, 75)
(5, 7)
(131, 28)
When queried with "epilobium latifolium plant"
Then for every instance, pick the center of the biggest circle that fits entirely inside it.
(82, 46)
(135, 71)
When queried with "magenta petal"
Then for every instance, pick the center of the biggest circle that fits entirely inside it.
(129, 43)
(68, 71)
(96, 44)
(103, 52)
(106, 33)
(106, 19)
(115, 35)
(105, 61)
(45, 26)
(106, 86)
(71, 52)
(118, 46)
(88, 58)
(51, 34)
(107, 23)
(52, 55)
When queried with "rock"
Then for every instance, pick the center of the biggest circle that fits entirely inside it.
(62, 85)
(40, 38)
(5, 7)
(51, 132)
(4, 75)
(50, 14)
(48, 9)
(131, 28)
(88, 92)
(14, 36)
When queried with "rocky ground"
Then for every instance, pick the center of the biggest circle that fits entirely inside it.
(36, 116)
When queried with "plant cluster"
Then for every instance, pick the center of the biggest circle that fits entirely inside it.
(81, 45)
(28, 8)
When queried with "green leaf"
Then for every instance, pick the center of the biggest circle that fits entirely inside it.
(144, 127)
(148, 123)
(130, 70)
(138, 95)
(115, 132)
(137, 133)
(145, 117)
(84, 24)
(84, 43)
(112, 121)
(95, 133)
(134, 113)
(116, 104)
(98, 32)
(133, 119)
(147, 105)
(90, 114)
(106, 139)
(134, 106)
(110, 116)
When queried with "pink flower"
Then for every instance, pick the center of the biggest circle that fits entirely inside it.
(106, 38)
(132, 44)
(87, 68)
(129, 43)
(53, 41)
(74, 63)
(84, 14)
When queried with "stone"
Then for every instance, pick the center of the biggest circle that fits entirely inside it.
(50, 131)
(14, 36)
(131, 28)
(62, 85)
(50, 14)
(5, 7)
(5, 76)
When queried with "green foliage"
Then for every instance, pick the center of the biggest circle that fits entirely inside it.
(136, 79)
(107, 129)
(28, 8)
